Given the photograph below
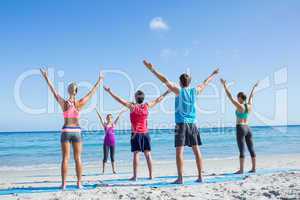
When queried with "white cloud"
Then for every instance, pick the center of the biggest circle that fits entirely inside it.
(158, 23)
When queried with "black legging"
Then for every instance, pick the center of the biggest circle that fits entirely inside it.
(106, 150)
(243, 133)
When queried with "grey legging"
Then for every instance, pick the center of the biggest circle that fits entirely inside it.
(243, 133)
(108, 149)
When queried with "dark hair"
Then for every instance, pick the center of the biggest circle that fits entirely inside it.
(139, 96)
(109, 115)
(242, 95)
(185, 80)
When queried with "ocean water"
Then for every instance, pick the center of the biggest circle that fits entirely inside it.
(19, 149)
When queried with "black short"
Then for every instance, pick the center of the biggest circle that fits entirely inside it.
(140, 142)
(187, 134)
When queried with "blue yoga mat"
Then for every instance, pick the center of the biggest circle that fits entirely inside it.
(158, 182)
(42, 189)
(166, 181)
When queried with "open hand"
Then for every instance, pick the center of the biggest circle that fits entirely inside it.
(223, 81)
(216, 71)
(107, 89)
(148, 65)
(44, 72)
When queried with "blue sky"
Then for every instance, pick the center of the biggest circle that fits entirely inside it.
(248, 40)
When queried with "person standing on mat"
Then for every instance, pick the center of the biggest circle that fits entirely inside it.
(71, 131)
(186, 131)
(140, 138)
(109, 143)
(243, 131)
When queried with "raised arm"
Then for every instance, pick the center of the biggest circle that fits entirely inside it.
(119, 115)
(203, 85)
(173, 87)
(250, 101)
(153, 103)
(88, 96)
(228, 93)
(122, 101)
(101, 119)
(58, 98)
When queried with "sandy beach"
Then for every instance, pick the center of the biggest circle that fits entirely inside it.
(99, 83)
(277, 178)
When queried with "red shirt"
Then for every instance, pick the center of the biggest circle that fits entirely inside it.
(138, 118)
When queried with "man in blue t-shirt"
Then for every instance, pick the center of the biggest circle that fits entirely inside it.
(186, 131)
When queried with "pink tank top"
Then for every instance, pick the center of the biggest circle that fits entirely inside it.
(72, 111)
(139, 118)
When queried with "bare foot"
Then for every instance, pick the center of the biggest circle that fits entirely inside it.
(133, 179)
(239, 172)
(199, 180)
(79, 185)
(114, 172)
(178, 181)
(252, 171)
(150, 177)
(63, 187)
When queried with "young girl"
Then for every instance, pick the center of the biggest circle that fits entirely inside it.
(109, 142)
